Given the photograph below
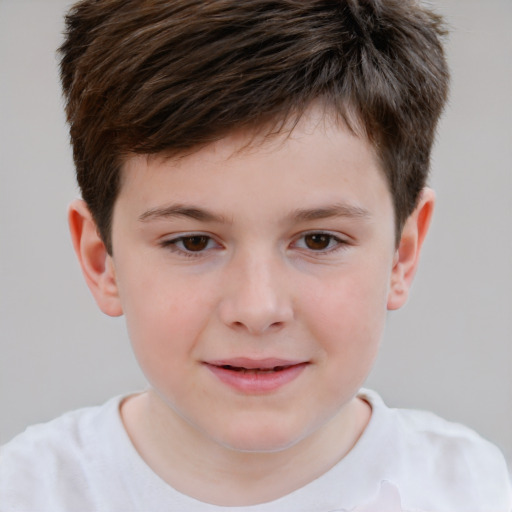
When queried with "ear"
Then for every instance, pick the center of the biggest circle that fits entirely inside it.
(407, 254)
(97, 265)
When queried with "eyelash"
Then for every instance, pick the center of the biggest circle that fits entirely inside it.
(335, 244)
(172, 245)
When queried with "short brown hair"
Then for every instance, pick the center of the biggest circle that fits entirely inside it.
(151, 76)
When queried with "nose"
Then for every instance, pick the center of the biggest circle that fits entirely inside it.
(255, 296)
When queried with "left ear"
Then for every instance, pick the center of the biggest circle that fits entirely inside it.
(407, 254)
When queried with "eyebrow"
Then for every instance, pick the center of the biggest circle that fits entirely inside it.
(180, 210)
(301, 215)
(335, 210)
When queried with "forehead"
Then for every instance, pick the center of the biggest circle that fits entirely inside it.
(315, 155)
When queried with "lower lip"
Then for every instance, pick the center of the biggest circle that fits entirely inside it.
(257, 382)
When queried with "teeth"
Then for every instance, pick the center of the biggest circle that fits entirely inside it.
(254, 370)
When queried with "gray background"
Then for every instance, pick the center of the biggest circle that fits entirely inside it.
(449, 350)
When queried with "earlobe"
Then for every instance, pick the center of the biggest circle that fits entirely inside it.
(97, 265)
(408, 252)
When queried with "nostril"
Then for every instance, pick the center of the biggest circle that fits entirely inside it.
(253, 328)
(253, 316)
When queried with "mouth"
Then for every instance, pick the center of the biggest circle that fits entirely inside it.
(256, 376)
(241, 369)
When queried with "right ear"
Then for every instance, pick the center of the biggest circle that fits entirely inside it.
(97, 265)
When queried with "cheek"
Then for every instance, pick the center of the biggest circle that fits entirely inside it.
(164, 320)
(348, 317)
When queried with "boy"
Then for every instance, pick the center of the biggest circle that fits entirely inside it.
(253, 176)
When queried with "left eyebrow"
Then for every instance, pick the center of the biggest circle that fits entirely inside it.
(335, 210)
(180, 210)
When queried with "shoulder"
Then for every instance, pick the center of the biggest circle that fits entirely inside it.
(48, 459)
(71, 433)
(438, 437)
(447, 441)
(444, 458)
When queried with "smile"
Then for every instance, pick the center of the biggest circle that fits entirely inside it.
(256, 377)
(255, 370)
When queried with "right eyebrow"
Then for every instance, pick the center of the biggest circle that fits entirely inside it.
(181, 210)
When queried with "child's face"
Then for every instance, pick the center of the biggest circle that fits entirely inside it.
(277, 259)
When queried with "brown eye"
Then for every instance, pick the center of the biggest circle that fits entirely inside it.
(318, 241)
(195, 243)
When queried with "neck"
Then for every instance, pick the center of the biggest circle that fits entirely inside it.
(200, 467)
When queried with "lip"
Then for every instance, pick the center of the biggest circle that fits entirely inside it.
(256, 376)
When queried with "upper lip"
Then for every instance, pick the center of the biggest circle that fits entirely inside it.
(253, 364)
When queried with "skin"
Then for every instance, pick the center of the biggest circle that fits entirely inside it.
(282, 248)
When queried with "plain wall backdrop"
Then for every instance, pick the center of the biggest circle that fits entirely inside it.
(449, 350)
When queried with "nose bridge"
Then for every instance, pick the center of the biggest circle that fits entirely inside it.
(256, 296)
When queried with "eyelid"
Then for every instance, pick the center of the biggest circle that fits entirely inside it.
(341, 241)
(171, 243)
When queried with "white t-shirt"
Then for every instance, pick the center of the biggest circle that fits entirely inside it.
(404, 461)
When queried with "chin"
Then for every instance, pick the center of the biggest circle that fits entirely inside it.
(260, 439)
